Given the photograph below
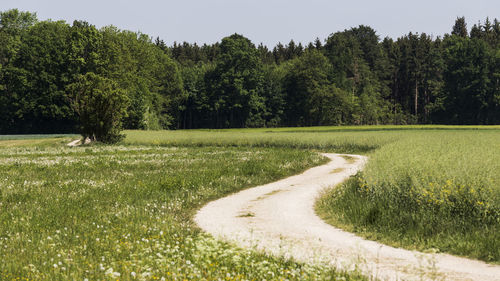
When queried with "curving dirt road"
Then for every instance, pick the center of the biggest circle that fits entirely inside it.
(279, 218)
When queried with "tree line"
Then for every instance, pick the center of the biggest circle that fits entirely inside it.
(351, 77)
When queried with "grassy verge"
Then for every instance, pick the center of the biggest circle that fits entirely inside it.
(437, 191)
(124, 212)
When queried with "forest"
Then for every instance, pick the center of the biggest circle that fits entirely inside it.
(353, 77)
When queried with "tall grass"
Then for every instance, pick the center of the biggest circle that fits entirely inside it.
(432, 191)
(124, 212)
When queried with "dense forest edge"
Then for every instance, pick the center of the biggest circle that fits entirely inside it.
(353, 77)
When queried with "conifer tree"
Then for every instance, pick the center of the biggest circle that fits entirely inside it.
(460, 28)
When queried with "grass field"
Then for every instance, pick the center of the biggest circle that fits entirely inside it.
(124, 212)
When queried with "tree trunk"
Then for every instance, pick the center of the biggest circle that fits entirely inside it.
(426, 106)
(416, 98)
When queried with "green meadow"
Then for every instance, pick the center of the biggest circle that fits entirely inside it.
(124, 212)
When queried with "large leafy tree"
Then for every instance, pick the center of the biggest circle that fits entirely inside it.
(85, 43)
(360, 67)
(311, 99)
(345, 54)
(235, 83)
(150, 78)
(13, 24)
(40, 75)
(368, 44)
(306, 76)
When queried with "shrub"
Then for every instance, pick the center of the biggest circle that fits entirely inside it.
(100, 105)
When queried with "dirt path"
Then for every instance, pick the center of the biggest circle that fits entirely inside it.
(74, 143)
(279, 218)
(78, 142)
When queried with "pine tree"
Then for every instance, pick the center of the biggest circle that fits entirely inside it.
(475, 31)
(317, 44)
(460, 28)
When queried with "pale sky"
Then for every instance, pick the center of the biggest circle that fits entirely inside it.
(266, 21)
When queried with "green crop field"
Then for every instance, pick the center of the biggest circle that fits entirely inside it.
(434, 191)
(125, 212)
